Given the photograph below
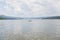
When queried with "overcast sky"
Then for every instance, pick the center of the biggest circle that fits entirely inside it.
(30, 8)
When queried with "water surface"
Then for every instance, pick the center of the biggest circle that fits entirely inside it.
(34, 29)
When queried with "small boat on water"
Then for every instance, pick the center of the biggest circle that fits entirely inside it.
(29, 20)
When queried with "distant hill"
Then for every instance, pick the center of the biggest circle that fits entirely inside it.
(52, 17)
(8, 17)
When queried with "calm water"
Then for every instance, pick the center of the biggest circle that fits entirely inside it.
(29, 29)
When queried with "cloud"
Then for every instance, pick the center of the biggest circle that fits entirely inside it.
(30, 8)
(53, 7)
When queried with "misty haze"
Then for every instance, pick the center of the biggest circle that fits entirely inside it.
(29, 19)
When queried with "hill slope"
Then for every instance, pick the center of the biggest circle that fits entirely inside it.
(52, 17)
(8, 17)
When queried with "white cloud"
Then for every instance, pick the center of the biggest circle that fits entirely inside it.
(30, 8)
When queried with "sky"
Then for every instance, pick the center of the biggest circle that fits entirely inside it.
(30, 8)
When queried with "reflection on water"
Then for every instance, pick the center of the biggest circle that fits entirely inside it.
(28, 30)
